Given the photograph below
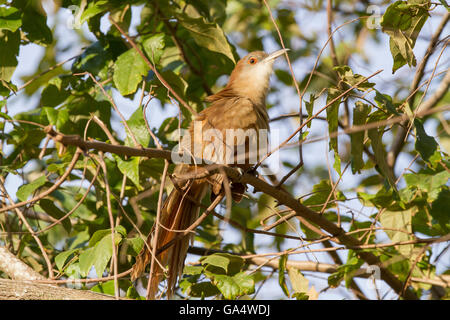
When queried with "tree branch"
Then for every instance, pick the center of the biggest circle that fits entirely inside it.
(26, 290)
(15, 268)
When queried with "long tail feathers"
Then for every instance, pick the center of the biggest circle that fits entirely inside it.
(178, 213)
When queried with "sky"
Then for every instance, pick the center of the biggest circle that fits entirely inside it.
(378, 55)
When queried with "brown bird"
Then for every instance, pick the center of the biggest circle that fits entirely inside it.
(238, 109)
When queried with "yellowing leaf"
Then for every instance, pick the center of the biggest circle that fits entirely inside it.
(298, 281)
(399, 220)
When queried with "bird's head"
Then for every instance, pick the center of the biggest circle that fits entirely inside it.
(250, 77)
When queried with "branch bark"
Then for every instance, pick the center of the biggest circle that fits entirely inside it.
(15, 268)
(27, 290)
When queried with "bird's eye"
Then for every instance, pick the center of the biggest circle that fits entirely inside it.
(252, 60)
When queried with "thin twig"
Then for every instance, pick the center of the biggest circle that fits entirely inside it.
(111, 222)
(157, 225)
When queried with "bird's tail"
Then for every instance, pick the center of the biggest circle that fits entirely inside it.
(180, 210)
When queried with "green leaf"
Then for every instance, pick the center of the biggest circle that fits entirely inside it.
(310, 107)
(62, 257)
(382, 199)
(103, 252)
(87, 259)
(403, 21)
(347, 75)
(93, 9)
(202, 290)
(376, 136)
(384, 101)
(135, 245)
(232, 287)
(445, 4)
(153, 47)
(130, 168)
(129, 71)
(346, 271)
(229, 263)
(333, 116)
(360, 114)
(300, 296)
(97, 236)
(105, 288)
(9, 42)
(6, 87)
(282, 275)
(2, 114)
(320, 194)
(207, 35)
(439, 209)
(337, 163)
(178, 84)
(35, 26)
(54, 93)
(56, 117)
(429, 183)
(192, 270)
(10, 19)
(95, 59)
(132, 293)
(283, 76)
(79, 240)
(26, 190)
(139, 129)
(333, 125)
(49, 207)
(100, 251)
(425, 144)
(121, 230)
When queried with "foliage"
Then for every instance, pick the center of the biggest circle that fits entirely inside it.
(192, 44)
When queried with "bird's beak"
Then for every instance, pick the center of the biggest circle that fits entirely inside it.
(275, 55)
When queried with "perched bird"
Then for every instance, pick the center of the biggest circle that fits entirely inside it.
(239, 108)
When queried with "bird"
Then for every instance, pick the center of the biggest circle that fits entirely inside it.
(239, 107)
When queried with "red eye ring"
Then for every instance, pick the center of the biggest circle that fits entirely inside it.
(252, 60)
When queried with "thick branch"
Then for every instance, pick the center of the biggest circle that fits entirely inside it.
(27, 290)
(15, 268)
